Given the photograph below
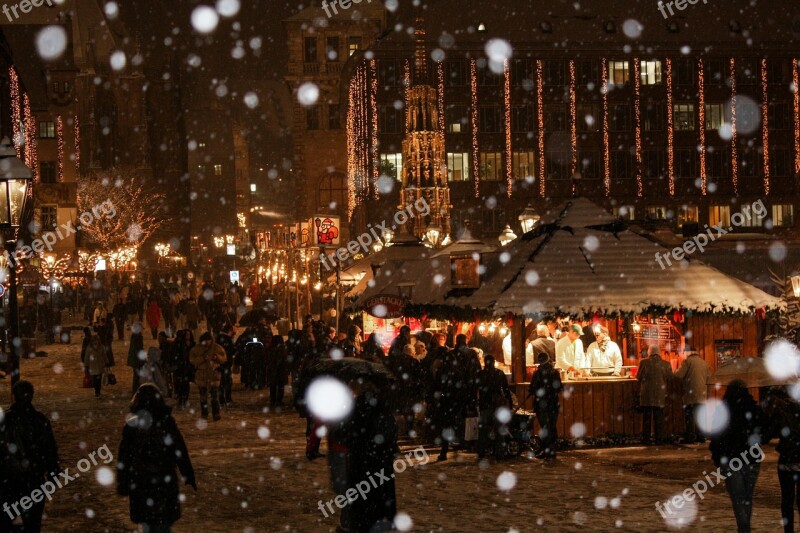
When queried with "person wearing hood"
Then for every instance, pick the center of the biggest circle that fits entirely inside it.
(207, 357)
(151, 454)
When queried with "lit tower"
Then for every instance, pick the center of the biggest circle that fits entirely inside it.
(424, 161)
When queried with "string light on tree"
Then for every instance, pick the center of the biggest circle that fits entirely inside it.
(374, 152)
(352, 170)
(796, 90)
(540, 123)
(734, 147)
(473, 118)
(765, 124)
(440, 95)
(77, 128)
(31, 147)
(670, 132)
(16, 112)
(573, 126)
(507, 117)
(606, 149)
(701, 119)
(637, 116)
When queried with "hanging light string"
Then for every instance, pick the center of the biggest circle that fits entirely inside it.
(540, 123)
(31, 147)
(473, 118)
(352, 167)
(765, 124)
(440, 95)
(701, 118)
(734, 147)
(60, 137)
(77, 127)
(507, 113)
(406, 89)
(606, 149)
(796, 89)
(573, 126)
(670, 132)
(16, 112)
(637, 115)
(375, 148)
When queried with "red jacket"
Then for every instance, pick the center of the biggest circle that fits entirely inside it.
(153, 315)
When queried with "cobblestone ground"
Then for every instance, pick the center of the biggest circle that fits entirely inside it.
(250, 479)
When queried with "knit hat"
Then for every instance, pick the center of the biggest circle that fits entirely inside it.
(653, 350)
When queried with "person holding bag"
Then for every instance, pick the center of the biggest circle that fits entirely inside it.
(95, 362)
(207, 357)
(493, 394)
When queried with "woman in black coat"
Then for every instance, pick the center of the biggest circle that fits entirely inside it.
(784, 422)
(151, 451)
(277, 370)
(183, 344)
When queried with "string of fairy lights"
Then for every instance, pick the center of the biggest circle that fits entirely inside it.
(573, 126)
(352, 168)
(734, 147)
(375, 143)
(16, 112)
(701, 118)
(440, 95)
(796, 88)
(606, 149)
(60, 138)
(670, 132)
(359, 161)
(31, 148)
(765, 124)
(637, 117)
(406, 89)
(473, 119)
(540, 123)
(507, 117)
(77, 127)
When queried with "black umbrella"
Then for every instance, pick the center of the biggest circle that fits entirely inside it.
(350, 369)
(254, 317)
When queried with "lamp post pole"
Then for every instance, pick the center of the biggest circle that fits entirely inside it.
(14, 343)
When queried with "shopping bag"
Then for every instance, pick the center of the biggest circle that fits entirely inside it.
(471, 428)
(111, 379)
(87, 380)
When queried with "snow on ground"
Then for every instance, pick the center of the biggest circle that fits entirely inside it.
(250, 479)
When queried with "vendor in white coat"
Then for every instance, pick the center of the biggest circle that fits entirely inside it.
(604, 353)
(569, 351)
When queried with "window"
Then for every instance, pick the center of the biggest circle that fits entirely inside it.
(650, 72)
(47, 171)
(554, 73)
(621, 163)
(392, 165)
(491, 165)
(715, 116)
(49, 217)
(465, 272)
(750, 218)
(587, 71)
(555, 118)
(334, 122)
(591, 165)
(457, 73)
(310, 50)
(618, 73)
(523, 164)
(716, 71)
(457, 166)
(686, 163)
(653, 116)
(218, 170)
(658, 212)
(522, 72)
(654, 163)
(487, 78)
(312, 118)
(522, 118)
(747, 71)
(778, 71)
(588, 118)
(353, 45)
(687, 214)
(558, 165)
(457, 118)
(782, 215)
(47, 130)
(781, 162)
(625, 212)
(332, 48)
(750, 164)
(490, 120)
(493, 221)
(331, 192)
(67, 87)
(683, 70)
(620, 117)
(683, 117)
(779, 116)
(717, 162)
(719, 215)
(391, 120)
(390, 73)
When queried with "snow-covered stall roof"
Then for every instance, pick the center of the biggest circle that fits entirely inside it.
(584, 261)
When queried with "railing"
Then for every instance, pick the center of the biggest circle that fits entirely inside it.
(311, 68)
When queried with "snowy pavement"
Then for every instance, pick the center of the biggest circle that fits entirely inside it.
(253, 475)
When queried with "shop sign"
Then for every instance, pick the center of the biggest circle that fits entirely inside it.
(385, 306)
(326, 230)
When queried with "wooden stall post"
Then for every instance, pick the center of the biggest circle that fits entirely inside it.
(518, 350)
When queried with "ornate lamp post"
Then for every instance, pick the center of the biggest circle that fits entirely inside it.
(506, 236)
(528, 219)
(433, 235)
(14, 178)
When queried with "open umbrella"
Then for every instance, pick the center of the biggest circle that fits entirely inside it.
(350, 369)
(254, 317)
(750, 370)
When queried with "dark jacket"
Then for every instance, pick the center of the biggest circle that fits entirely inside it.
(120, 312)
(784, 422)
(226, 341)
(744, 429)
(277, 365)
(146, 471)
(493, 389)
(544, 345)
(136, 346)
(544, 389)
(28, 433)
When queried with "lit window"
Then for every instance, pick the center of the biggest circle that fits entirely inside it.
(392, 165)
(201, 145)
(625, 212)
(524, 164)
(618, 73)
(353, 45)
(658, 212)
(47, 130)
(719, 215)
(650, 72)
(683, 117)
(782, 215)
(218, 170)
(457, 166)
(715, 116)
(687, 214)
(491, 165)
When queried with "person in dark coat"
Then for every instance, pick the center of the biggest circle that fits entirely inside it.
(225, 340)
(120, 312)
(406, 389)
(87, 337)
(735, 443)
(371, 438)
(783, 413)
(184, 342)
(493, 393)
(135, 361)
(653, 376)
(545, 388)
(277, 371)
(543, 343)
(151, 453)
(28, 459)
(372, 351)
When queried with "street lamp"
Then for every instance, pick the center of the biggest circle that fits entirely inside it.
(506, 236)
(528, 219)
(433, 234)
(796, 285)
(14, 178)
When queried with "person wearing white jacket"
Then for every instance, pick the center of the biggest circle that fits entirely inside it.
(604, 353)
(569, 350)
